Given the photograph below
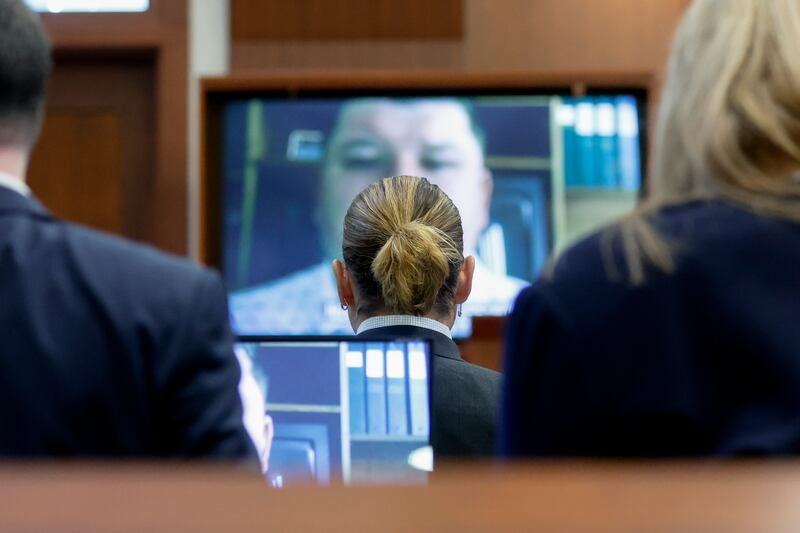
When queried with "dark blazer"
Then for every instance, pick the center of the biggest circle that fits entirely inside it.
(703, 361)
(108, 348)
(465, 397)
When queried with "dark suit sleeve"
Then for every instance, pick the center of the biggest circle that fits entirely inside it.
(542, 379)
(204, 409)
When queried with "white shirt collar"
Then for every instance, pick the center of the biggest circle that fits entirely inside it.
(15, 184)
(403, 320)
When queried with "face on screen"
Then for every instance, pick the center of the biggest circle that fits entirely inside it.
(432, 138)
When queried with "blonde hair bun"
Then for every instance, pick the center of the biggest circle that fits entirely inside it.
(413, 265)
(402, 244)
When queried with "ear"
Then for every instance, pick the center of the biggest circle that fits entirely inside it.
(343, 285)
(464, 285)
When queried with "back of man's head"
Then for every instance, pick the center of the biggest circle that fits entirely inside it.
(24, 69)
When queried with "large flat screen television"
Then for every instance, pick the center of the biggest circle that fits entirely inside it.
(529, 169)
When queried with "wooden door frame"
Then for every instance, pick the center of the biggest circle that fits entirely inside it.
(161, 31)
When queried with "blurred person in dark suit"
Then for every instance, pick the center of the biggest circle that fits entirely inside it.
(404, 274)
(675, 332)
(107, 348)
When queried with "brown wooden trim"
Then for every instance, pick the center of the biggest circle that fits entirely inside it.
(100, 30)
(323, 20)
(171, 184)
(210, 189)
(289, 81)
(555, 495)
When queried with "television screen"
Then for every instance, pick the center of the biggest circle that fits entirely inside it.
(529, 174)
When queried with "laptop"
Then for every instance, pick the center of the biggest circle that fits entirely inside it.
(343, 410)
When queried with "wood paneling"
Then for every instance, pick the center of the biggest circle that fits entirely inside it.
(484, 347)
(161, 34)
(561, 497)
(293, 82)
(324, 20)
(77, 171)
(535, 38)
(570, 35)
(95, 158)
(521, 35)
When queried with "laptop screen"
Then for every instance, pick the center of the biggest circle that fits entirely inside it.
(344, 411)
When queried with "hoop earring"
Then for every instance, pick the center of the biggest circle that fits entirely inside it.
(344, 306)
(459, 310)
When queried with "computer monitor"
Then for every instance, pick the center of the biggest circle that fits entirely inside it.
(345, 411)
(530, 172)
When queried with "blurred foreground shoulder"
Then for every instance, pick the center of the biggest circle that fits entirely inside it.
(175, 312)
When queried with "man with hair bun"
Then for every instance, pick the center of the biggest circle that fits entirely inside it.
(405, 274)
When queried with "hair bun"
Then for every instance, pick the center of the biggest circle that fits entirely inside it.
(413, 265)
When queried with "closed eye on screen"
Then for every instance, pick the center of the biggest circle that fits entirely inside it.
(357, 162)
(361, 154)
(438, 163)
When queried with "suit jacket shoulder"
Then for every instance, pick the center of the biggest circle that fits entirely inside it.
(465, 399)
(131, 345)
(674, 366)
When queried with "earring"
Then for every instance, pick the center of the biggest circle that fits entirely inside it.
(345, 307)
(459, 310)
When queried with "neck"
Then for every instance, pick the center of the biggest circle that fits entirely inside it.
(13, 161)
(448, 320)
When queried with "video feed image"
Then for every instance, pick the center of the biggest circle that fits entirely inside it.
(517, 168)
(353, 413)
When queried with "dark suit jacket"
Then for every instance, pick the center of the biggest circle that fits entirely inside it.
(704, 361)
(465, 397)
(108, 348)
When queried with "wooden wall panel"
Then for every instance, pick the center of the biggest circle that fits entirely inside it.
(570, 35)
(322, 20)
(160, 33)
(78, 172)
(533, 36)
(98, 132)
(262, 55)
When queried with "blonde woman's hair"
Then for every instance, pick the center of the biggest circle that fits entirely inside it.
(729, 121)
(403, 245)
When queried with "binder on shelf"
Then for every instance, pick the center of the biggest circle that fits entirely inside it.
(376, 389)
(628, 131)
(418, 389)
(607, 154)
(587, 140)
(356, 383)
(396, 389)
(566, 121)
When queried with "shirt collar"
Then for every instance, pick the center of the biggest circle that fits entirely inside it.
(403, 320)
(15, 184)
